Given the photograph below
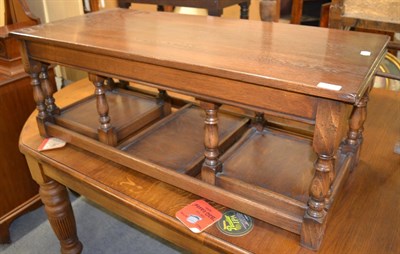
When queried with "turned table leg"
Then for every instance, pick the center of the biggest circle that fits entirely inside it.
(327, 135)
(211, 165)
(59, 212)
(48, 91)
(106, 132)
(58, 208)
(356, 128)
(34, 70)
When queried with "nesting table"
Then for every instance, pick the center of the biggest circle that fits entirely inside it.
(274, 131)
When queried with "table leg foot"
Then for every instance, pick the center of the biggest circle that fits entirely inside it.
(4, 233)
(60, 215)
(211, 165)
(312, 231)
(356, 126)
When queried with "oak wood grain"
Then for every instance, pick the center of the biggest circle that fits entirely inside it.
(275, 77)
(366, 210)
(162, 39)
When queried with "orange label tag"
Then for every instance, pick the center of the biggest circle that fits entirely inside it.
(198, 216)
(51, 143)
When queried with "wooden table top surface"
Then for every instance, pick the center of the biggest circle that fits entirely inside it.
(282, 56)
(365, 216)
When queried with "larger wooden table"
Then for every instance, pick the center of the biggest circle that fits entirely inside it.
(366, 211)
(287, 176)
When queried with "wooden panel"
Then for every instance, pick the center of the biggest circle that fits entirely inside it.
(18, 192)
(276, 162)
(16, 96)
(178, 142)
(202, 86)
(128, 112)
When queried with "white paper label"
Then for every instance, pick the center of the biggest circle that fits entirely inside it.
(365, 53)
(329, 86)
(51, 143)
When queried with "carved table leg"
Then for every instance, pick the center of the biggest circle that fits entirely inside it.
(58, 208)
(211, 165)
(60, 215)
(48, 91)
(356, 123)
(325, 143)
(39, 97)
(106, 132)
(34, 68)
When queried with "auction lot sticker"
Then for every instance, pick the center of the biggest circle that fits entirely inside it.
(235, 224)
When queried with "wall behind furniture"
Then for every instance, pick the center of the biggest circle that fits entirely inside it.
(2, 13)
(51, 10)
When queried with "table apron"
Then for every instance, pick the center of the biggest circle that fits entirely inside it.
(293, 105)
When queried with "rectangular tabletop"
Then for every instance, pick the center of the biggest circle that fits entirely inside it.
(162, 48)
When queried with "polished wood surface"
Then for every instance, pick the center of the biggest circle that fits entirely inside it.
(211, 64)
(18, 193)
(184, 43)
(181, 132)
(129, 112)
(366, 210)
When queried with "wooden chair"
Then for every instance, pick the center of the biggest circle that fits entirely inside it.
(270, 10)
(298, 7)
(368, 15)
(273, 10)
(18, 12)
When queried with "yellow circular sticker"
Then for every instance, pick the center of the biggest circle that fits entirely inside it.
(234, 223)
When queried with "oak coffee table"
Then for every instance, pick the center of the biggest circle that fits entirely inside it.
(275, 128)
